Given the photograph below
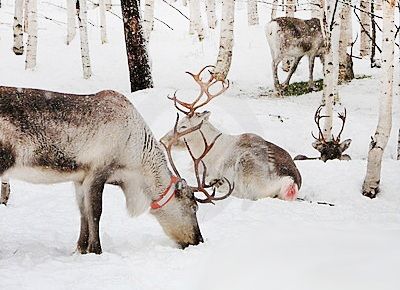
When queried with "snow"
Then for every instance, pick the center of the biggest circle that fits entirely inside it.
(268, 244)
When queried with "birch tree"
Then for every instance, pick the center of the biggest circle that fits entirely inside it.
(224, 58)
(290, 7)
(345, 62)
(83, 30)
(273, 10)
(71, 20)
(196, 23)
(211, 16)
(108, 5)
(379, 141)
(316, 8)
(148, 18)
(331, 63)
(252, 12)
(31, 47)
(18, 47)
(103, 22)
(365, 41)
(136, 50)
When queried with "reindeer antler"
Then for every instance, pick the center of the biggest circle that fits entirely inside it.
(317, 119)
(175, 138)
(204, 89)
(201, 182)
(342, 116)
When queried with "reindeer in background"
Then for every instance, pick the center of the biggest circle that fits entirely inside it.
(93, 140)
(332, 149)
(257, 167)
(292, 38)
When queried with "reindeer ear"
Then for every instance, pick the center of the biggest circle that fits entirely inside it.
(317, 144)
(345, 144)
(205, 115)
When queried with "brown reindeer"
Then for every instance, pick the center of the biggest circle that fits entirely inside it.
(332, 149)
(93, 140)
(292, 38)
(257, 167)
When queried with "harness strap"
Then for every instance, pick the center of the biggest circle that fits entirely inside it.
(167, 195)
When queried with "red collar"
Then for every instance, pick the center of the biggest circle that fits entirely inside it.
(167, 195)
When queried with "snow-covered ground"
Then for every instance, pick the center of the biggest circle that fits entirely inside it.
(268, 244)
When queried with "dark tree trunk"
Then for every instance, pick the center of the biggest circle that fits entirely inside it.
(138, 59)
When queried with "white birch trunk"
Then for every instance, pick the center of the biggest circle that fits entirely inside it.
(343, 43)
(196, 23)
(26, 16)
(103, 21)
(87, 70)
(71, 20)
(18, 47)
(108, 5)
(224, 58)
(365, 41)
(290, 7)
(252, 12)
(331, 66)
(379, 141)
(148, 18)
(211, 16)
(316, 8)
(31, 47)
(347, 24)
(274, 8)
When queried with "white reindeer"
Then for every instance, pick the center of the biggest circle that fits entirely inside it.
(91, 140)
(257, 167)
(292, 38)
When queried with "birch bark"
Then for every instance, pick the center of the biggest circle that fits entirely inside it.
(31, 47)
(379, 141)
(71, 20)
(196, 23)
(18, 47)
(211, 16)
(148, 18)
(365, 41)
(82, 18)
(331, 64)
(290, 8)
(103, 21)
(252, 12)
(224, 58)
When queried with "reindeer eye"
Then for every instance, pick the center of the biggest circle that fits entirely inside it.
(183, 127)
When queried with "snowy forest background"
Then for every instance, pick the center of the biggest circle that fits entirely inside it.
(248, 245)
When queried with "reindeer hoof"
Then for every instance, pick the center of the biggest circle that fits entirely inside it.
(371, 193)
(94, 248)
(81, 250)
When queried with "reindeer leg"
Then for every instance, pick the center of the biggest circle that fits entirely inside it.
(82, 243)
(275, 63)
(5, 191)
(292, 70)
(311, 60)
(93, 192)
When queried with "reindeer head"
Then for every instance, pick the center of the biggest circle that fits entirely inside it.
(332, 149)
(193, 118)
(178, 218)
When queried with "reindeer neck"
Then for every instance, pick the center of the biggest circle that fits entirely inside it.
(210, 132)
(155, 165)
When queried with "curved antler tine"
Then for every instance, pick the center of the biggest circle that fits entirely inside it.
(231, 187)
(343, 118)
(176, 102)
